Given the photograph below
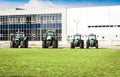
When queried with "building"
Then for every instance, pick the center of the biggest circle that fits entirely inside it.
(104, 21)
(33, 23)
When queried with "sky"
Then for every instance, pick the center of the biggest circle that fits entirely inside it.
(8, 4)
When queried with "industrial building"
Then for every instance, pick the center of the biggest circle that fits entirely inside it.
(104, 21)
(33, 23)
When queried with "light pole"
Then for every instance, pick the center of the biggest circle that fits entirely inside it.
(77, 22)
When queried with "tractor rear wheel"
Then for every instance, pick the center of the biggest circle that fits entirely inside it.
(55, 44)
(26, 43)
(72, 46)
(12, 44)
(87, 44)
(43, 44)
(81, 44)
(16, 45)
(96, 45)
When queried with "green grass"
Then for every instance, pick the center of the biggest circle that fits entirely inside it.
(36, 62)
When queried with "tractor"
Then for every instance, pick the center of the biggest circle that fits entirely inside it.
(19, 39)
(77, 41)
(50, 39)
(92, 41)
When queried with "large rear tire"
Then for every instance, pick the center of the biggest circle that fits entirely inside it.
(12, 44)
(96, 45)
(44, 44)
(87, 44)
(55, 44)
(72, 46)
(16, 45)
(26, 43)
(81, 44)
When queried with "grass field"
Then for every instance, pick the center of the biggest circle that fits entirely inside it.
(36, 62)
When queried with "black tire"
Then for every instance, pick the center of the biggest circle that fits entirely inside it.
(96, 45)
(72, 46)
(12, 44)
(87, 44)
(16, 45)
(22, 44)
(55, 44)
(44, 44)
(26, 43)
(82, 44)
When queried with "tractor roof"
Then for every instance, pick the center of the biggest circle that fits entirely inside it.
(19, 32)
(78, 34)
(91, 34)
(51, 30)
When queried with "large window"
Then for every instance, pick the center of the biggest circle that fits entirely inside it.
(34, 26)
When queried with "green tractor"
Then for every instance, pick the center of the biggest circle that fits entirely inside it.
(92, 41)
(50, 39)
(77, 41)
(19, 39)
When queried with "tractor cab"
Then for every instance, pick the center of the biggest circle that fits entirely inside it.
(92, 37)
(50, 39)
(50, 35)
(92, 41)
(19, 35)
(19, 39)
(77, 37)
(77, 41)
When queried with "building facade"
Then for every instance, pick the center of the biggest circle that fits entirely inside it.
(104, 21)
(34, 23)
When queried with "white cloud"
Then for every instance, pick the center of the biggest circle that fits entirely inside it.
(38, 4)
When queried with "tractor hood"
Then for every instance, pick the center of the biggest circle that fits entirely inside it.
(92, 42)
(49, 38)
(17, 39)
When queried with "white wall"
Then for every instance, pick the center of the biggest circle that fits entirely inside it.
(106, 15)
(92, 16)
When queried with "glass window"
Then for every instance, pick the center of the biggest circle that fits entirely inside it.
(91, 37)
(30, 24)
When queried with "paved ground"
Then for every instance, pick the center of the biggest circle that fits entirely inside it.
(61, 46)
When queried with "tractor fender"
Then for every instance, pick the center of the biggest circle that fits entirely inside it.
(25, 38)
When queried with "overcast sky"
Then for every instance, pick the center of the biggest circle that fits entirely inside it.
(7, 4)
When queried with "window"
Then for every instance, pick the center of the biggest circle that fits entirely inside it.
(30, 24)
(118, 25)
(28, 19)
(111, 25)
(89, 26)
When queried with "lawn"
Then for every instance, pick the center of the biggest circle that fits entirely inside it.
(37, 62)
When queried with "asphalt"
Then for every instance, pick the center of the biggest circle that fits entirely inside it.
(63, 46)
